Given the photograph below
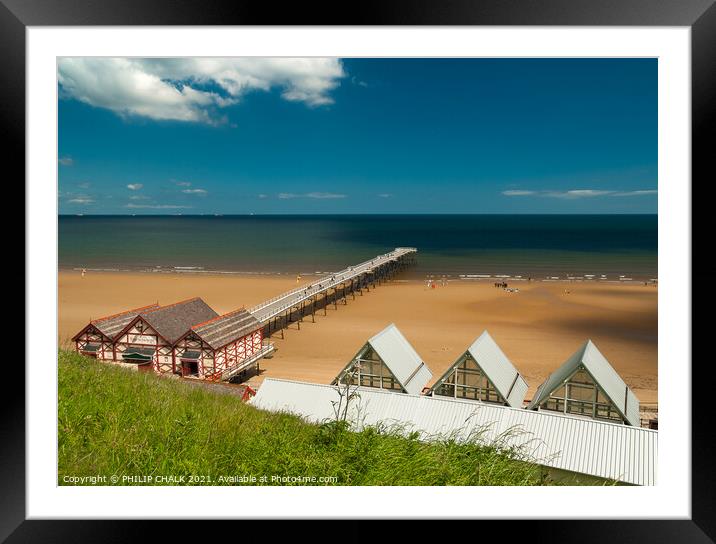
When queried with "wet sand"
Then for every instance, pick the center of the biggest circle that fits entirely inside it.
(537, 328)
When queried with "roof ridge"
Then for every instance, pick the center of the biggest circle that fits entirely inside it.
(172, 304)
(124, 312)
(384, 329)
(227, 314)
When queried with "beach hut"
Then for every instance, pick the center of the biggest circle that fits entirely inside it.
(387, 361)
(587, 385)
(483, 373)
(97, 338)
(148, 339)
(221, 347)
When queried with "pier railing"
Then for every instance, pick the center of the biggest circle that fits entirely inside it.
(304, 292)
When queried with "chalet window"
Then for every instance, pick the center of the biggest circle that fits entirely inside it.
(465, 392)
(581, 396)
(446, 390)
(554, 404)
(468, 381)
(372, 373)
(580, 408)
(581, 392)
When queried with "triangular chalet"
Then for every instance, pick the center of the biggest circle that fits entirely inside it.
(587, 385)
(387, 361)
(483, 373)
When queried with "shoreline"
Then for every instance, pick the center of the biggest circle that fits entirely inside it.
(189, 271)
(538, 325)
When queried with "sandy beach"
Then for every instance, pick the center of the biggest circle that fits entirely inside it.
(538, 327)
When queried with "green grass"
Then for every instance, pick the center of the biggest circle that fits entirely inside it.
(113, 422)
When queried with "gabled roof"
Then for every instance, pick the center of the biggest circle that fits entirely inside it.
(603, 374)
(174, 320)
(599, 448)
(400, 358)
(227, 328)
(112, 325)
(497, 367)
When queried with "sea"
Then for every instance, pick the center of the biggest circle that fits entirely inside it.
(601, 247)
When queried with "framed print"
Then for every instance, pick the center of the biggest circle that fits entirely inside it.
(432, 262)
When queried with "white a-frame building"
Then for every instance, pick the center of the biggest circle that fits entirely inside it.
(483, 373)
(587, 385)
(387, 361)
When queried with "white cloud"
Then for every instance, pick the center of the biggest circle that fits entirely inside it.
(315, 195)
(81, 200)
(156, 206)
(134, 186)
(263, 196)
(66, 161)
(138, 197)
(577, 193)
(84, 185)
(358, 82)
(517, 192)
(183, 183)
(325, 195)
(194, 191)
(385, 195)
(637, 193)
(194, 89)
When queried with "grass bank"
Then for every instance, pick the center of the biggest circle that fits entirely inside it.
(113, 422)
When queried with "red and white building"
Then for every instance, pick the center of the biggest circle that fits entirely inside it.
(187, 338)
(221, 347)
(97, 338)
(149, 338)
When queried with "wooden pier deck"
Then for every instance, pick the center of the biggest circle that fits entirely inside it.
(276, 313)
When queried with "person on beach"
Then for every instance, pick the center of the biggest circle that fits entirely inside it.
(84, 271)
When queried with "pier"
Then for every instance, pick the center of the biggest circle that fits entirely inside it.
(277, 313)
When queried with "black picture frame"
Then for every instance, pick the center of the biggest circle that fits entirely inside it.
(699, 15)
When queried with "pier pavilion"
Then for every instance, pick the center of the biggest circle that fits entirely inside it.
(221, 347)
(187, 338)
(149, 338)
(97, 338)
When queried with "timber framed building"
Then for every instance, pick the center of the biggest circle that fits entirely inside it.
(222, 346)
(187, 338)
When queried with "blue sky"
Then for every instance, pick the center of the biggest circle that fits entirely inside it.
(238, 136)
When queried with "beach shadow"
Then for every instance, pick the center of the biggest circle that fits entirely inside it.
(640, 327)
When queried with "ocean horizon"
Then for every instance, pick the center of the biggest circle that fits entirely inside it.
(469, 246)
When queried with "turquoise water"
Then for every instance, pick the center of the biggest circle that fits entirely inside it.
(529, 245)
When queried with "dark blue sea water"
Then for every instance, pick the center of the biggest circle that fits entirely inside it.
(528, 245)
